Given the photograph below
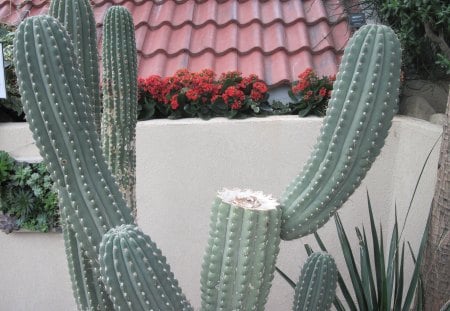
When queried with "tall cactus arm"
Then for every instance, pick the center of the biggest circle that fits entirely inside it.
(363, 103)
(64, 131)
(243, 244)
(316, 288)
(88, 288)
(78, 19)
(119, 116)
(136, 274)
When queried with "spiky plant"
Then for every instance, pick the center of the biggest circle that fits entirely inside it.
(132, 270)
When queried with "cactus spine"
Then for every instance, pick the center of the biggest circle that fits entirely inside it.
(363, 103)
(243, 244)
(316, 287)
(119, 116)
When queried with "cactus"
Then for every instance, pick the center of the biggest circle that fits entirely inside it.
(120, 100)
(66, 136)
(316, 287)
(78, 19)
(87, 285)
(363, 103)
(243, 245)
(244, 239)
(149, 284)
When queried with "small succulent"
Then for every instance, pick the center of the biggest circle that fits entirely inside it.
(8, 223)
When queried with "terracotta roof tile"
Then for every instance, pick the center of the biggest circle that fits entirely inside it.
(273, 39)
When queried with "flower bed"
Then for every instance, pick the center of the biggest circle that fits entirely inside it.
(232, 95)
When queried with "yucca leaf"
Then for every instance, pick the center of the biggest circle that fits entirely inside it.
(418, 181)
(393, 249)
(420, 299)
(377, 256)
(365, 272)
(351, 265)
(309, 249)
(416, 273)
(373, 292)
(342, 286)
(399, 281)
(285, 277)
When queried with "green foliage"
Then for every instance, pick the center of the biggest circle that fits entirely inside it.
(379, 282)
(11, 107)
(27, 195)
(410, 19)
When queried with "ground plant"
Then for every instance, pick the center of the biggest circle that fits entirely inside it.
(27, 197)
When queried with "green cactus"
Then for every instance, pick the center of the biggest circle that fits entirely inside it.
(243, 244)
(244, 238)
(69, 144)
(87, 285)
(78, 19)
(119, 116)
(149, 284)
(316, 287)
(363, 103)
(57, 111)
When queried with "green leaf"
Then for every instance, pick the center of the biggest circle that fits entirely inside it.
(285, 277)
(416, 272)
(351, 264)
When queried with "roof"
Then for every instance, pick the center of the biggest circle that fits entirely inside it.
(274, 39)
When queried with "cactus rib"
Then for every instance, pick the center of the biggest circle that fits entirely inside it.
(357, 122)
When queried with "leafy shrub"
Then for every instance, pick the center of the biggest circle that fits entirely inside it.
(11, 107)
(423, 27)
(27, 198)
(310, 94)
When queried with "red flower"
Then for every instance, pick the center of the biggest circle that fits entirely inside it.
(234, 93)
(192, 94)
(236, 105)
(174, 102)
(260, 87)
(255, 95)
(323, 92)
(305, 74)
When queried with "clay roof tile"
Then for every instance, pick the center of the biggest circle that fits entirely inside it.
(274, 39)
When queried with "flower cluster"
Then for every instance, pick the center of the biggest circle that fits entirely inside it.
(201, 94)
(310, 94)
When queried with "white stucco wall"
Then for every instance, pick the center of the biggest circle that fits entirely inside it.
(181, 165)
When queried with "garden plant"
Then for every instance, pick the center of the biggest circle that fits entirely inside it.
(113, 264)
